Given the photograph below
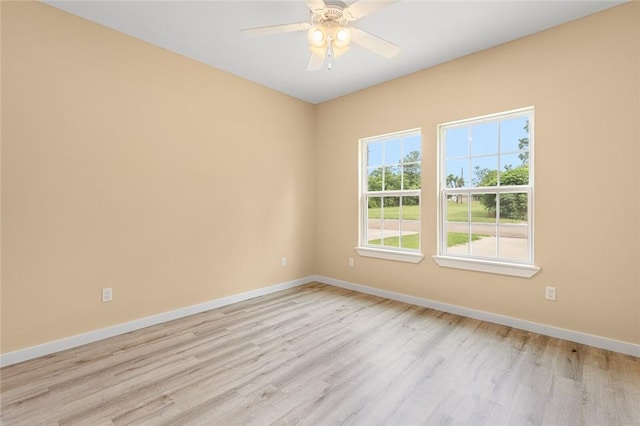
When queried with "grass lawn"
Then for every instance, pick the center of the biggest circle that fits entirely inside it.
(459, 238)
(412, 241)
(457, 212)
(408, 213)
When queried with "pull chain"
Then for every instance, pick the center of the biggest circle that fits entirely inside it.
(329, 53)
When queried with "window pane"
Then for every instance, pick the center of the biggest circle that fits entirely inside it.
(410, 234)
(457, 208)
(514, 242)
(410, 222)
(457, 173)
(413, 144)
(374, 154)
(514, 134)
(514, 175)
(373, 206)
(391, 208)
(374, 222)
(391, 233)
(410, 208)
(483, 228)
(484, 171)
(511, 162)
(483, 208)
(457, 142)
(484, 138)
(457, 238)
(374, 179)
(514, 207)
(392, 178)
(374, 232)
(392, 152)
(413, 157)
(411, 176)
(483, 240)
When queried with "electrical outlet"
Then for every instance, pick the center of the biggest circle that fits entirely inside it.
(351, 262)
(283, 262)
(550, 293)
(107, 294)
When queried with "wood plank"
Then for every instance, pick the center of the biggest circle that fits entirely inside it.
(318, 354)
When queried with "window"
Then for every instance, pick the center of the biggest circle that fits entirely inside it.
(390, 196)
(486, 194)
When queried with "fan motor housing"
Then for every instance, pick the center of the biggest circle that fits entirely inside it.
(331, 13)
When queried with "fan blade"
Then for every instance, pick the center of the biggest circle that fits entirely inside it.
(315, 63)
(316, 6)
(275, 29)
(339, 51)
(374, 43)
(362, 8)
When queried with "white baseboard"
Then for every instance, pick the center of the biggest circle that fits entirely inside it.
(547, 330)
(103, 333)
(93, 336)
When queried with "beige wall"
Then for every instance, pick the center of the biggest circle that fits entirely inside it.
(127, 166)
(1, 347)
(583, 79)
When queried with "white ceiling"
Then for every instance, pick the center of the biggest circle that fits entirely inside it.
(428, 32)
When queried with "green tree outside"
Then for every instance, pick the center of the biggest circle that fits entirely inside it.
(512, 205)
(406, 175)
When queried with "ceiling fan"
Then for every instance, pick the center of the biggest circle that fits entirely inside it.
(329, 31)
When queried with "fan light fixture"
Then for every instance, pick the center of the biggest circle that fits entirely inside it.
(317, 36)
(326, 35)
(330, 31)
(342, 37)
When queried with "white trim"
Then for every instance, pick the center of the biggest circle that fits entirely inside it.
(534, 327)
(507, 189)
(489, 266)
(114, 330)
(93, 336)
(400, 256)
(488, 117)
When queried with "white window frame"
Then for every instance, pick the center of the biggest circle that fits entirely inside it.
(375, 251)
(520, 268)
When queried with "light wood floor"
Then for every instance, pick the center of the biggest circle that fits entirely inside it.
(319, 355)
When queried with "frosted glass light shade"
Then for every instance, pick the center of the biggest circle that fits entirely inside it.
(317, 36)
(342, 37)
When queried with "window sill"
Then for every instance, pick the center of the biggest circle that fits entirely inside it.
(503, 268)
(400, 256)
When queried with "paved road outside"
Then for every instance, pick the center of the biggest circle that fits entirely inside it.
(506, 230)
(511, 248)
(376, 234)
(392, 228)
(513, 239)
